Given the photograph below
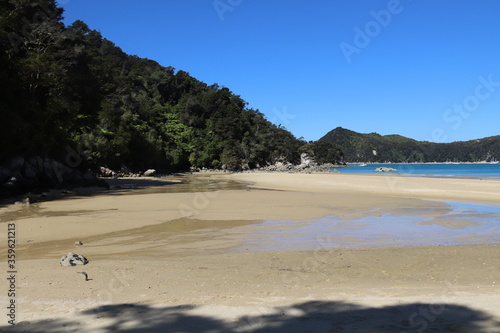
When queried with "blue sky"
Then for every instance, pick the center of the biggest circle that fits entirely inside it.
(429, 70)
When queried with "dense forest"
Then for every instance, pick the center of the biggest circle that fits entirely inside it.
(66, 88)
(373, 147)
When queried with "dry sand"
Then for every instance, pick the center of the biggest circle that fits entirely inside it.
(164, 260)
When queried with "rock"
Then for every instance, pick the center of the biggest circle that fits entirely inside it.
(232, 166)
(47, 168)
(385, 169)
(76, 177)
(125, 171)
(73, 259)
(61, 171)
(306, 160)
(5, 174)
(15, 180)
(89, 178)
(19, 175)
(25, 201)
(272, 168)
(149, 173)
(106, 172)
(15, 164)
(31, 168)
(78, 243)
(279, 166)
(301, 166)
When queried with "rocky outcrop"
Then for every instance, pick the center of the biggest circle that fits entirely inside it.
(20, 175)
(279, 166)
(301, 168)
(73, 259)
(385, 169)
(107, 172)
(306, 161)
(125, 172)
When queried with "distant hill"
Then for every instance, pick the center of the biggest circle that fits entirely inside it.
(374, 147)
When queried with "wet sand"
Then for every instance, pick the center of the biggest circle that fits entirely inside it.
(165, 260)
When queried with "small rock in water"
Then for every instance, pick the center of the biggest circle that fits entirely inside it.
(385, 169)
(73, 259)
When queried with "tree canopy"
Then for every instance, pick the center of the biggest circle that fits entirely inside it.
(67, 86)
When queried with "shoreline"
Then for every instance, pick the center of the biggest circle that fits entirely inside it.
(60, 193)
(444, 163)
(395, 174)
(302, 197)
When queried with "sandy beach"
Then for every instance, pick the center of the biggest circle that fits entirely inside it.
(191, 254)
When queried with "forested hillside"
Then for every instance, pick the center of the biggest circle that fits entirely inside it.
(68, 88)
(374, 147)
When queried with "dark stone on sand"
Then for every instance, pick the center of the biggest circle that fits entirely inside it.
(73, 259)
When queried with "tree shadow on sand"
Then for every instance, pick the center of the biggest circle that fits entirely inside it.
(318, 316)
(177, 183)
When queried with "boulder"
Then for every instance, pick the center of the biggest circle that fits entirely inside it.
(25, 201)
(89, 178)
(73, 259)
(5, 174)
(385, 169)
(31, 169)
(149, 173)
(15, 164)
(47, 168)
(306, 160)
(106, 172)
(19, 175)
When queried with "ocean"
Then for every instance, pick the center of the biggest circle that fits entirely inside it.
(467, 170)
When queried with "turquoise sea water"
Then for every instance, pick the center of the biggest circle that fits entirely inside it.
(434, 169)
